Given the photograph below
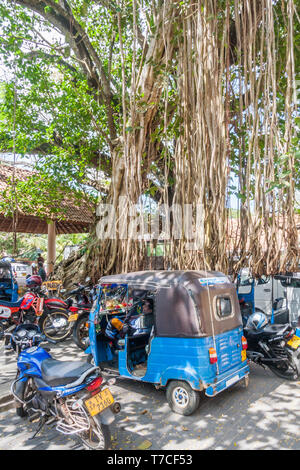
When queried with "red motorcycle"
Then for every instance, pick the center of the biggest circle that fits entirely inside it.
(50, 314)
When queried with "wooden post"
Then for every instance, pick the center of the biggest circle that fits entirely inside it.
(51, 247)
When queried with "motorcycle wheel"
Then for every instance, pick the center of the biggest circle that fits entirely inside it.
(55, 325)
(81, 332)
(98, 437)
(290, 371)
(30, 389)
(2, 330)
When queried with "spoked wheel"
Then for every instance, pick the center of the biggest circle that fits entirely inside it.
(55, 325)
(288, 370)
(81, 332)
(182, 398)
(98, 437)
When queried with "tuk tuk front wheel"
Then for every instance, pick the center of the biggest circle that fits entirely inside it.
(181, 398)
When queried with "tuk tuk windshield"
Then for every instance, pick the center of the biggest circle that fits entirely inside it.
(121, 298)
(113, 297)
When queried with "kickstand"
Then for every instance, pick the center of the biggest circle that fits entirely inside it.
(41, 424)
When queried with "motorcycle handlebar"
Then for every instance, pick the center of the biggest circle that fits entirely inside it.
(50, 340)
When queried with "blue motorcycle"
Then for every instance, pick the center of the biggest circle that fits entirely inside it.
(70, 395)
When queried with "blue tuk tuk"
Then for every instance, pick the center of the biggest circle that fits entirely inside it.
(8, 284)
(181, 330)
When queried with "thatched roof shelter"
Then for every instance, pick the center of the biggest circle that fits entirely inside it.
(73, 216)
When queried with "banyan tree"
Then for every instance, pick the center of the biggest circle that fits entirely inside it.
(185, 109)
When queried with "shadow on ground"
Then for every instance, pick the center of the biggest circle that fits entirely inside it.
(263, 416)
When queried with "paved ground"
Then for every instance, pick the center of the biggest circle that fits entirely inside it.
(266, 415)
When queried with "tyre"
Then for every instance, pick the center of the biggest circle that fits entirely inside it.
(98, 437)
(55, 325)
(181, 398)
(81, 332)
(2, 330)
(29, 392)
(289, 371)
(20, 411)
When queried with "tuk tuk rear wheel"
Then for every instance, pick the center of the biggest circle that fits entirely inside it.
(181, 398)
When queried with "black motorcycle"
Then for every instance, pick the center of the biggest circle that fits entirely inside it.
(80, 302)
(276, 347)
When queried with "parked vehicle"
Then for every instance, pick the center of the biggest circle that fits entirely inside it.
(72, 396)
(80, 301)
(8, 283)
(54, 321)
(274, 346)
(21, 270)
(291, 283)
(27, 309)
(276, 296)
(191, 341)
(33, 307)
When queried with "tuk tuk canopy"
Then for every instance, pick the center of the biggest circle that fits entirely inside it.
(187, 303)
(5, 270)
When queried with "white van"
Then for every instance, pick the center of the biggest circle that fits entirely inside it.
(20, 272)
(262, 294)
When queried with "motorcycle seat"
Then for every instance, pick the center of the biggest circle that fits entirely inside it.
(65, 373)
(5, 303)
(56, 303)
(274, 330)
(84, 306)
(269, 331)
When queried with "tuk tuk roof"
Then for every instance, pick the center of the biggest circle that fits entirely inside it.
(5, 265)
(185, 301)
(154, 279)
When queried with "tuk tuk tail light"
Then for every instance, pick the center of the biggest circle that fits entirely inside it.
(213, 358)
(244, 343)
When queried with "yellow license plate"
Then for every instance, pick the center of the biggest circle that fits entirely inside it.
(73, 317)
(244, 355)
(294, 342)
(99, 402)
